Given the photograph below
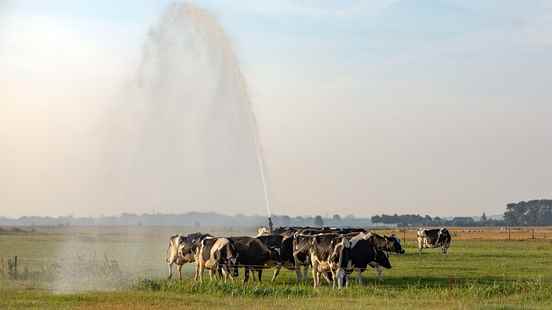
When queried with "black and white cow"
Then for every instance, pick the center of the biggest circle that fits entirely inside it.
(253, 255)
(174, 257)
(181, 250)
(322, 261)
(356, 255)
(216, 255)
(283, 246)
(434, 238)
(301, 256)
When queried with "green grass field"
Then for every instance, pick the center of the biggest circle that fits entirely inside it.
(475, 274)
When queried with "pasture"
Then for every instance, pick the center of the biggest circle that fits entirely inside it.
(123, 267)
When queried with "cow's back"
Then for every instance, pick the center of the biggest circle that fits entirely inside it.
(251, 251)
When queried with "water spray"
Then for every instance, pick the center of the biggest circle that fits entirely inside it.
(261, 163)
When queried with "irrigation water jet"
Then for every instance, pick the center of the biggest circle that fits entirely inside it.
(192, 136)
(182, 133)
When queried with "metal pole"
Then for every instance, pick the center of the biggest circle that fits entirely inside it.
(270, 227)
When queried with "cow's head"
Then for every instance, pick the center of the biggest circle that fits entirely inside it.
(231, 259)
(301, 243)
(382, 259)
(191, 241)
(394, 244)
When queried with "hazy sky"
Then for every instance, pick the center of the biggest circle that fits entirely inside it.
(419, 106)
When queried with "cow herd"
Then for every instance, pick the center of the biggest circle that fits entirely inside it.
(330, 253)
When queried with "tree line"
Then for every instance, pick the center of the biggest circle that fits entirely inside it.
(523, 213)
(416, 220)
(529, 213)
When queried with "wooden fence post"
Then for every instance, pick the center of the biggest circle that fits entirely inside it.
(508, 233)
(15, 267)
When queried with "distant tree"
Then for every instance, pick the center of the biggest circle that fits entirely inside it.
(336, 218)
(428, 220)
(483, 217)
(318, 221)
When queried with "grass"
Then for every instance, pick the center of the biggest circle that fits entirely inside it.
(477, 274)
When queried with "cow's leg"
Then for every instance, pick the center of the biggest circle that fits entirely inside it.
(314, 274)
(305, 272)
(196, 272)
(202, 267)
(359, 276)
(245, 275)
(179, 267)
(222, 273)
(379, 271)
(317, 279)
(170, 270)
(276, 272)
(419, 245)
(334, 278)
(212, 272)
(298, 273)
(339, 277)
(260, 275)
(325, 275)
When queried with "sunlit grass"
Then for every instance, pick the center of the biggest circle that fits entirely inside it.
(475, 274)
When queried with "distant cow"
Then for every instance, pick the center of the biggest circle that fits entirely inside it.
(434, 238)
(253, 255)
(386, 243)
(215, 254)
